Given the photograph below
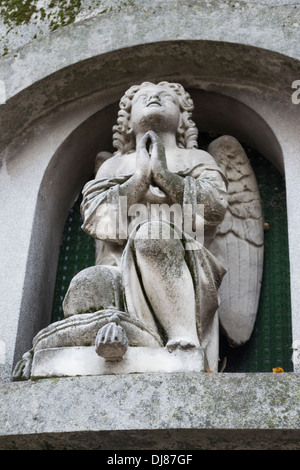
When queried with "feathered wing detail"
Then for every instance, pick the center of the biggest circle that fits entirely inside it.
(239, 242)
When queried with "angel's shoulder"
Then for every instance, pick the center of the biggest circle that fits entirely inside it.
(116, 165)
(198, 161)
(195, 156)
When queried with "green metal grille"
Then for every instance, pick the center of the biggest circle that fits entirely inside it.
(77, 252)
(270, 343)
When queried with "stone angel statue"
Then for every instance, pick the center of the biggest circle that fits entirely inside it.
(179, 239)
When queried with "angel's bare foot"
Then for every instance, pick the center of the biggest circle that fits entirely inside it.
(180, 343)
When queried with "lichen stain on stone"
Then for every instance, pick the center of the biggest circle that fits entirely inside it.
(16, 11)
(41, 17)
(59, 12)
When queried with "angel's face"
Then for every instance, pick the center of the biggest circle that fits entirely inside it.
(155, 106)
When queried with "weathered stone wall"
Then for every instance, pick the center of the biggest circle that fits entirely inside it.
(24, 21)
(65, 66)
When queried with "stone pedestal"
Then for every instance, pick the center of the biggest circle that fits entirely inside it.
(169, 412)
(74, 361)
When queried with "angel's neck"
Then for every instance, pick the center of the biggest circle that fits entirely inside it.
(168, 140)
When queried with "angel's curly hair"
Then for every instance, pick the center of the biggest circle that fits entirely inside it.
(187, 133)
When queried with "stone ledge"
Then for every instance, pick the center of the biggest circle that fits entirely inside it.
(173, 411)
(84, 361)
(156, 439)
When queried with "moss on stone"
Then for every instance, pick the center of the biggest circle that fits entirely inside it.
(48, 17)
(17, 12)
(66, 12)
(5, 50)
(57, 12)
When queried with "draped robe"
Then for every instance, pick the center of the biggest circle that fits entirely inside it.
(205, 184)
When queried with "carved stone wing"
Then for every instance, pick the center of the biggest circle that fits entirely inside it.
(239, 242)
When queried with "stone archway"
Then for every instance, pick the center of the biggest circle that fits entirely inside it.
(68, 122)
(72, 165)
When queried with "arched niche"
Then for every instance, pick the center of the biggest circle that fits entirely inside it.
(73, 164)
(210, 64)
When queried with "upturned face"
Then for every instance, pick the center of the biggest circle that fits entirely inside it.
(155, 108)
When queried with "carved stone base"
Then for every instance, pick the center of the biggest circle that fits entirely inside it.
(83, 360)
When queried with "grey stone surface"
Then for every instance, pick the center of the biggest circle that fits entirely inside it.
(153, 411)
(206, 18)
(249, 23)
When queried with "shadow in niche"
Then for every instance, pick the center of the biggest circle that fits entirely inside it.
(270, 343)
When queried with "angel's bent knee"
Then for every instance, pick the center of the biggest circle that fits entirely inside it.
(157, 230)
(94, 288)
(157, 238)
